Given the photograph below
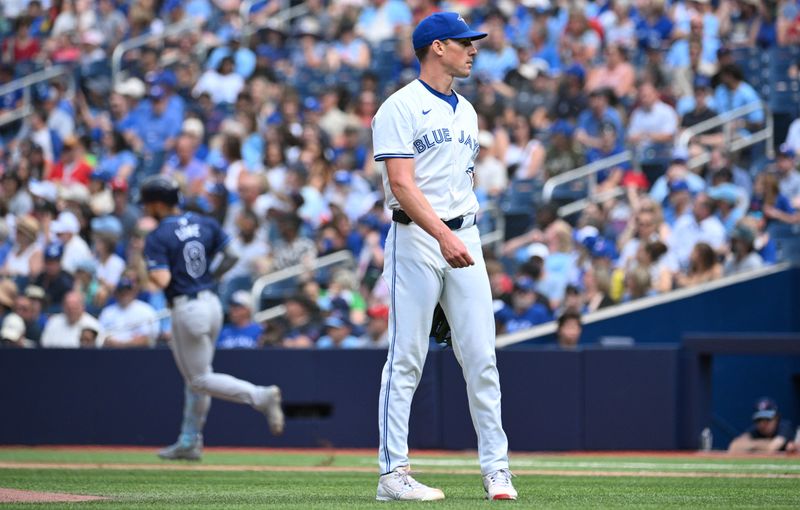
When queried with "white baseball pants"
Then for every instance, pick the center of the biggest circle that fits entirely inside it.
(418, 277)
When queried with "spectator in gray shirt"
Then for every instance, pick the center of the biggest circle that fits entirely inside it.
(742, 256)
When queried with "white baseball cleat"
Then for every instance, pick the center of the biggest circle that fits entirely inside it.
(498, 485)
(270, 405)
(400, 486)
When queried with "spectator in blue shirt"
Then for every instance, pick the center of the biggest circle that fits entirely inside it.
(338, 334)
(591, 122)
(383, 20)
(733, 92)
(526, 310)
(241, 332)
(496, 57)
(155, 131)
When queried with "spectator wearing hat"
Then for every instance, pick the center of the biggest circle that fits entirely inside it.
(376, 334)
(12, 333)
(54, 280)
(743, 256)
(527, 308)
(69, 328)
(240, 332)
(770, 432)
(592, 120)
(609, 178)
(100, 200)
(677, 170)
(570, 101)
(338, 334)
(786, 166)
(25, 260)
(730, 204)
(128, 322)
(701, 226)
(66, 228)
(569, 329)
(154, 129)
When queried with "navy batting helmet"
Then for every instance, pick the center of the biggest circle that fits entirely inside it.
(159, 188)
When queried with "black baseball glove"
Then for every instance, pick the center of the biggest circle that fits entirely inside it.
(440, 329)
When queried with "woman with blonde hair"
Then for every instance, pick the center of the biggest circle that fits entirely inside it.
(26, 259)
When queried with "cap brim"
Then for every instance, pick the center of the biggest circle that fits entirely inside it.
(472, 35)
(764, 415)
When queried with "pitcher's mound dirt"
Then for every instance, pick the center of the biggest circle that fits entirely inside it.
(18, 496)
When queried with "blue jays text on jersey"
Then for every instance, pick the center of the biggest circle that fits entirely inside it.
(185, 245)
(442, 135)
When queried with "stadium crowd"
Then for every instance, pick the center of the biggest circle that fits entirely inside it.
(266, 124)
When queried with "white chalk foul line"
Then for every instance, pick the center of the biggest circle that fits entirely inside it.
(658, 466)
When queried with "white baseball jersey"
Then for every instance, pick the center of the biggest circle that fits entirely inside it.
(415, 123)
(419, 123)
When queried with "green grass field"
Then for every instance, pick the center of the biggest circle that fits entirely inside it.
(244, 479)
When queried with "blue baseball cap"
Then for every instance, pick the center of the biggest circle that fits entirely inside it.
(766, 409)
(680, 185)
(561, 127)
(441, 26)
(525, 284)
(53, 251)
(702, 82)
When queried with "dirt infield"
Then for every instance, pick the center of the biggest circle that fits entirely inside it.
(343, 469)
(19, 496)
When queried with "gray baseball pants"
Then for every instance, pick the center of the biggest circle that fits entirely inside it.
(196, 324)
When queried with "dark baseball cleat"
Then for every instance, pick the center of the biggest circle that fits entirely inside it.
(183, 450)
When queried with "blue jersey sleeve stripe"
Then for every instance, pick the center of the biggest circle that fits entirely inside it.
(160, 266)
(381, 157)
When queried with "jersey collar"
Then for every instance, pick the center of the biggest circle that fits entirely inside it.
(452, 99)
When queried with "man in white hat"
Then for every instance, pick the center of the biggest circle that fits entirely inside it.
(12, 332)
(66, 229)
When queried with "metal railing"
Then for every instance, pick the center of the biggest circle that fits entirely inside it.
(589, 171)
(26, 83)
(339, 257)
(279, 20)
(731, 143)
(181, 27)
